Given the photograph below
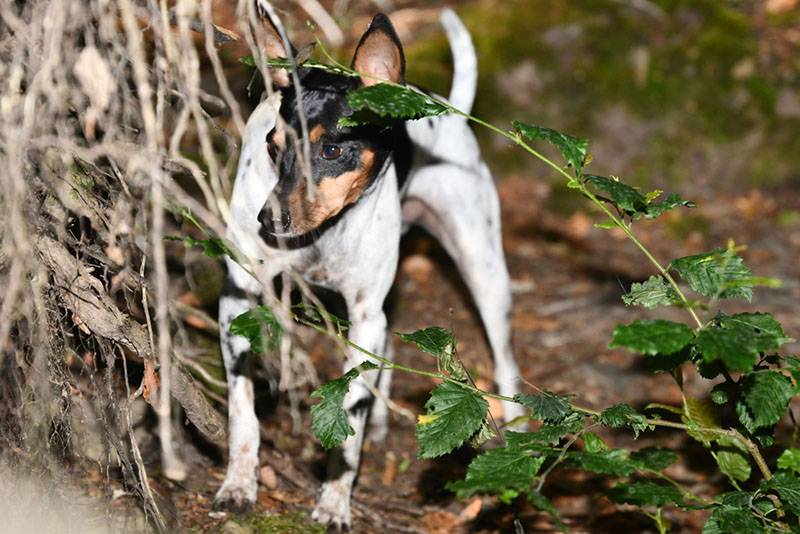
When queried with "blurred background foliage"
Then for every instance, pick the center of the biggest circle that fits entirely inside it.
(671, 93)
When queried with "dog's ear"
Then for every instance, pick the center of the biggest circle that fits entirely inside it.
(271, 44)
(379, 54)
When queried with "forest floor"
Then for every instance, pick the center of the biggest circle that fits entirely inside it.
(568, 278)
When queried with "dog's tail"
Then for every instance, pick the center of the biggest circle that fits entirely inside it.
(465, 61)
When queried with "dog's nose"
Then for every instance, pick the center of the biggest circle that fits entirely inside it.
(272, 223)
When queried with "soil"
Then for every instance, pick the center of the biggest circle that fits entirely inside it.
(568, 278)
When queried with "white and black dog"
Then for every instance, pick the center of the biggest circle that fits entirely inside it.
(370, 184)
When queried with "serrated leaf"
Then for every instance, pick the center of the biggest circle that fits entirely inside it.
(484, 434)
(728, 519)
(260, 326)
(788, 487)
(384, 103)
(593, 443)
(212, 247)
(645, 494)
(733, 464)
(540, 502)
(328, 417)
(496, 471)
(611, 462)
(622, 415)
(720, 273)
(767, 395)
(654, 458)
(792, 364)
(720, 394)
(672, 201)
(459, 412)
(573, 149)
(546, 405)
(547, 435)
(441, 343)
(789, 460)
(652, 336)
(665, 363)
(737, 340)
(699, 414)
(625, 197)
(655, 291)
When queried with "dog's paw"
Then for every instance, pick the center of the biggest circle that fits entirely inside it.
(235, 499)
(333, 508)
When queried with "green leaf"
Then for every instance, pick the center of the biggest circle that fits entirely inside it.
(788, 487)
(654, 458)
(573, 149)
(792, 364)
(260, 326)
(699, 414)
(789, 460)
(720, 274)
(547, 435)
(720, 394)
(621, 415)
(593, 443)
(664, 363)
(733, 464)
(728, 519)
(497, 471)
(625, 197)
(645, 494)
(767, 395)
(670, 203)
(384, 103)
(546, 406)
(655, 291)
(737, 340)
(328, 417)
(454, 414)
(484, 434)
(611, 462)
(212, 247)
(540, 502)
(652, 336)
(441, 343)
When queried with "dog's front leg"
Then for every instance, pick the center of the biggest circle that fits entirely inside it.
(368, 331)
(238, 491)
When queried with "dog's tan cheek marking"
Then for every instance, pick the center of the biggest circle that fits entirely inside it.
(331, 195)
(316, 133)
(335, 193)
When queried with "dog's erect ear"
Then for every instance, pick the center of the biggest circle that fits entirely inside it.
(271, 43)
(379, 54)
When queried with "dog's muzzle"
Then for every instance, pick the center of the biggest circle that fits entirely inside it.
(275, 224)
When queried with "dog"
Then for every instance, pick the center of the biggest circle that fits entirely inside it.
(369, 185)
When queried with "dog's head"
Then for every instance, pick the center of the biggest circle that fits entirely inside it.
(344, 162)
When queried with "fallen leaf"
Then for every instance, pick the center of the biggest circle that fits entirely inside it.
(471, 511)
(390, 471)
(150, 380)
(268, 477)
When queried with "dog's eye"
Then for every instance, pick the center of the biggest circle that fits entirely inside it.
(331, 151)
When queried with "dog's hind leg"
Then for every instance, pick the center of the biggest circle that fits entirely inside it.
(460, 208)
(238, 491)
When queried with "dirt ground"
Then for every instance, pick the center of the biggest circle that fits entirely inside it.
(568, 278)
(567, 281)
